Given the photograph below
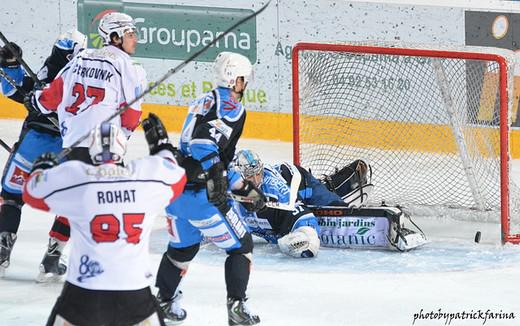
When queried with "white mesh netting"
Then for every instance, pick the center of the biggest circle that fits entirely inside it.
(428, 125)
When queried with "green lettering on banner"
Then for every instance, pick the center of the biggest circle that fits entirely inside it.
(190, 90)
(280, 51)
(172, 31)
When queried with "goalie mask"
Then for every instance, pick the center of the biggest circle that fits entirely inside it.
(115, 22)
(250, 166)
(229, 66)
(108, 144)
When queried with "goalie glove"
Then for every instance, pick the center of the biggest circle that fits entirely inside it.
(216, 187)
(256, 196)
(45, 161)
(300, 243)
(8, 58)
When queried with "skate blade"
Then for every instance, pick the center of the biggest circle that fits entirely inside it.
(49, 278)
(2, 271)
(169, 322)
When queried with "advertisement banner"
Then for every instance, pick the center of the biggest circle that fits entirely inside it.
(175, 32)
(354, 232)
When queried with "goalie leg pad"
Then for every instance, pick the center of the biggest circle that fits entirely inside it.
(350, 183)
(301, 243)
(367, 228)
(358, 196)
(404, 239)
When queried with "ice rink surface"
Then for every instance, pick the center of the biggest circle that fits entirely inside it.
(452, 274)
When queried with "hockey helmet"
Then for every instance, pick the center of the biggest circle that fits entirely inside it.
(250, 166)
(108, 144)
(115, 22)
(70, 43)
(229, 66)
(72, 36)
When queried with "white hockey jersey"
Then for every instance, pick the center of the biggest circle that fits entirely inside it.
(111, 210)
(90, 88)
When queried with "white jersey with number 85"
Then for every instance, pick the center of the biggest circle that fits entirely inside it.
(111, 210)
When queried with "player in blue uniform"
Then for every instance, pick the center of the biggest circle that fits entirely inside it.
(294, 230)
(207, 146)
(39, 135)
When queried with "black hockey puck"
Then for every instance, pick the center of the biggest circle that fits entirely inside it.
(477, 236)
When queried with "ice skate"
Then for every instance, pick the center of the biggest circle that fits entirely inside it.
(174, 314)
(7, 240)
(52, 267)
(239, 314)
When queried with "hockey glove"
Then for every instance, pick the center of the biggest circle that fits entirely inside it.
(8, 58)
(256, 195)
(216, 187)
(45, 161)
(28, 102)
(157, 136)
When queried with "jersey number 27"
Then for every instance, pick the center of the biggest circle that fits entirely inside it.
(97, 94)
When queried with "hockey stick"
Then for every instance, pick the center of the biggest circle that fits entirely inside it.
(24, 94)
(295, 184)
(21, 61)
(269, 204)
(170, 72)
(4, 145)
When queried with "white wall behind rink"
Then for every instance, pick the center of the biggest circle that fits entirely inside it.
(285, 22)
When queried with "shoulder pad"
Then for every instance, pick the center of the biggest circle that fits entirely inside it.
(202, 105)
(228, 107)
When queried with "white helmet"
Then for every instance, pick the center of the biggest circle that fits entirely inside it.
(72, 40)
(115, 22)
(107, 144)
(250, 166)
(228, 66)
(75, 36)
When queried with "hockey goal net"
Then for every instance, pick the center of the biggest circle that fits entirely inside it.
(433, 123)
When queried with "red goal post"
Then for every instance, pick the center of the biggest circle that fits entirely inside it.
(433, 122)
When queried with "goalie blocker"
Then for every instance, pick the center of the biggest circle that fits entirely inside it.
(379, 227)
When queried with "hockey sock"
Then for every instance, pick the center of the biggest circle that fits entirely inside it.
(60, 229)
(10, 216)
(168, 278)
(174, 265)
(237, 269)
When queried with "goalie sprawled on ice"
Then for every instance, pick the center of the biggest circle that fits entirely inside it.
(303, 212)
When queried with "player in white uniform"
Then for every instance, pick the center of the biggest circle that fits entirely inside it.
(39, 135)
(96, 83)
(111, 210)
(90, 88)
